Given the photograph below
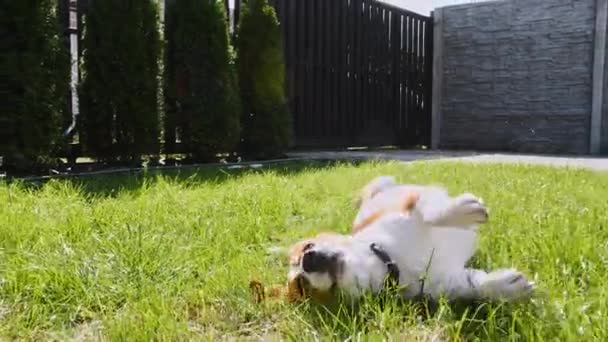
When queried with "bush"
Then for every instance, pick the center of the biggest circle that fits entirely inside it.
(119, 89)
(202, 102)
(34, 68)
(261, 70)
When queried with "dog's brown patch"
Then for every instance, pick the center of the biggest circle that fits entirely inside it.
(367, 221)
(405, 206)
(410, 202)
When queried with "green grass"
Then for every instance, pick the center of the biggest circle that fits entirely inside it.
(170, 257)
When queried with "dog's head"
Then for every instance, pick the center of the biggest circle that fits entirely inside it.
(315, 266)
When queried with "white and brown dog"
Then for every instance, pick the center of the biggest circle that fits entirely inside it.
(417, 235)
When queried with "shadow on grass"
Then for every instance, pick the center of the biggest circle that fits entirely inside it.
(109, 185)
(464, 319)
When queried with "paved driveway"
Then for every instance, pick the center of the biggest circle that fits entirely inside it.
(599, 164)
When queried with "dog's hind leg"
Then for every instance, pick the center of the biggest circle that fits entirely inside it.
(505, 284)
(474, 284)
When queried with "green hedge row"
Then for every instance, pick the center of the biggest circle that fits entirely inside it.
(139, 90)
(34, 68)
(210, 104)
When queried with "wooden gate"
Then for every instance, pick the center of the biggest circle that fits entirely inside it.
(359, 72)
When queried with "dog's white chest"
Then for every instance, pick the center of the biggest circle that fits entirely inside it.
(409, 246)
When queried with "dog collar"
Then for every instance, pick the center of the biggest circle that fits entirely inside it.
(392, 279)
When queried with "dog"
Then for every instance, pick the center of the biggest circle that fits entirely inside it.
(414, 236)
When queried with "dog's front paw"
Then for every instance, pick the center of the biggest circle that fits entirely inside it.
(467, 209)
(507, 284)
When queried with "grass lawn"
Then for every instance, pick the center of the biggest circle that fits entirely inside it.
(170, 257)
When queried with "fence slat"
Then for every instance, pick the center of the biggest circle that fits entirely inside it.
(395, 82)
(320, 86)
(410, 82)
(375, 110)
(416, 124)
(333, 47)
(358, 51)
(344, 69)
(323, 11)
(407, 29)
(385, 72)
(365, 93)
(428, 84)
(402, 78)
(300, 70)
(350, 77)
(371, 54)
(310, 39)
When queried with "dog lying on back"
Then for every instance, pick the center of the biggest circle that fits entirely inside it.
(417, 236)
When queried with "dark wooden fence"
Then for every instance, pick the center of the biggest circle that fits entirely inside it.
(359, 72)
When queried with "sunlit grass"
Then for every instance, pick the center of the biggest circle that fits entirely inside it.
(170, 257)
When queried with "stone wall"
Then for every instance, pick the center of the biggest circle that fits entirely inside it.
(517, 76)
(604, 147)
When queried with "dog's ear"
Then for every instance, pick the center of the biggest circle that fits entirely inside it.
(296, 251)
(295, 291)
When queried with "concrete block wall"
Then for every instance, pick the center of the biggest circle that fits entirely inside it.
(604, 134)
(516, 75)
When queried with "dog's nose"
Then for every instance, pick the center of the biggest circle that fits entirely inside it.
(313, 261)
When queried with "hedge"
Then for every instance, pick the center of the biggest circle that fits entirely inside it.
(34, 68)
(266, 118)
(120, 82)
(202, 103)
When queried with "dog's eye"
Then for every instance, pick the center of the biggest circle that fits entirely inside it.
(308, 246)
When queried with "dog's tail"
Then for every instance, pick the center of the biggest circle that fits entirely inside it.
(375, 186)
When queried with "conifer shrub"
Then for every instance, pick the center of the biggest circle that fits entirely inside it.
(119, 89)
(201, 95)
(265, 117)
